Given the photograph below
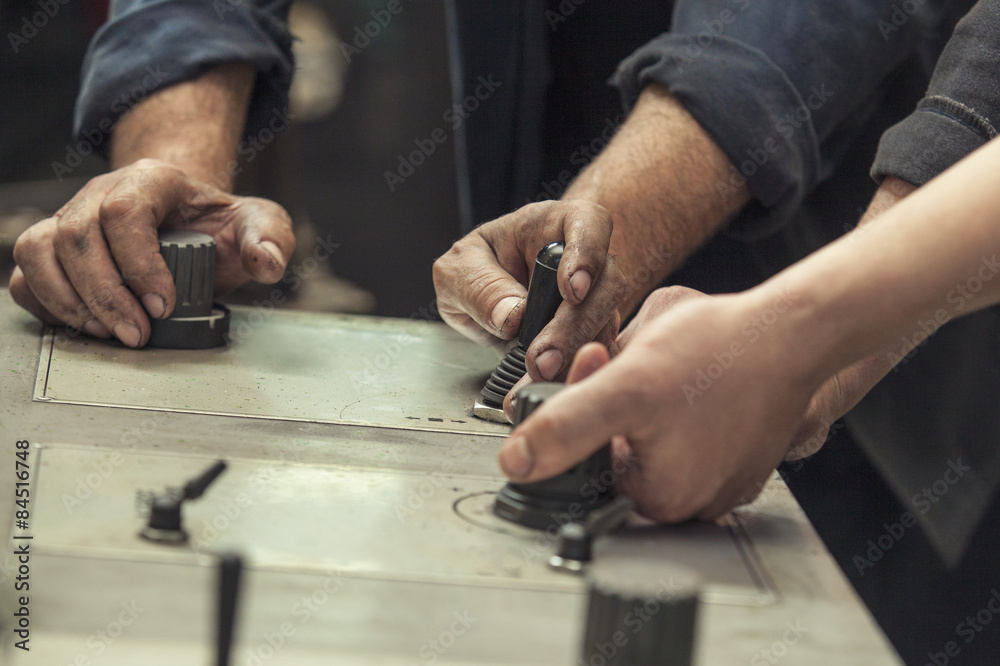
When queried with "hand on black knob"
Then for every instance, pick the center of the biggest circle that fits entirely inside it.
(481, 282)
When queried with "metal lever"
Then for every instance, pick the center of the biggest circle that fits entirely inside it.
(539, 308)
(230, 569)
(196, 487)
(165, 523)
(575, 539)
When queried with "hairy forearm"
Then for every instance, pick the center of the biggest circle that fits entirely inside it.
(658, 177)
(195, 125)
(928, 259)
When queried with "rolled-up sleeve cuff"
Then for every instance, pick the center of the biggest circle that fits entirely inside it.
(154, 45)
(751, 109)
(931, 139)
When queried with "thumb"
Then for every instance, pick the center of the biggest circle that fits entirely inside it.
(573, 423)
(265, 239)
(589, 359)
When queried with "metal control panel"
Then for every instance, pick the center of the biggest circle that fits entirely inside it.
(358, 491)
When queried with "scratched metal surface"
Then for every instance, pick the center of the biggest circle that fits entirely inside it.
(392, 373)
(395, 586)
(387, 523)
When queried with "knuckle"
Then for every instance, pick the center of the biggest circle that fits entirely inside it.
(19, 290)
(32, 241)
(71, 235)
(482, 287)
(114, 209)
(104, 298)
(616, 285)
(579, 331)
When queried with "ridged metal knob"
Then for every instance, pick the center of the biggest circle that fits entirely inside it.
(190, 256)
(568, 497)
(640, 613)
(196, 322)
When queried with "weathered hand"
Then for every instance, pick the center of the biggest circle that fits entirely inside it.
(481, 282)
(96, 264)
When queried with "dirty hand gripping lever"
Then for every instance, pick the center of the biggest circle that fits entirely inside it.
(541, 305)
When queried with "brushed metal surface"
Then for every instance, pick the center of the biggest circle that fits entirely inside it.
(335, 576)
(392, 373)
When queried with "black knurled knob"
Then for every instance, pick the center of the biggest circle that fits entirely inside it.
(190, 256)
(540, 306)
(640, 613)
(195, 323)
(567, 497)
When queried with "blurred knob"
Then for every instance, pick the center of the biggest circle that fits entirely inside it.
(640, 613)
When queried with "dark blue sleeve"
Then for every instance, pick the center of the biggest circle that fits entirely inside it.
(961, 110)
(783, 87)
(147, 45)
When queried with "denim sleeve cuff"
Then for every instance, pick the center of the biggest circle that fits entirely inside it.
(751, 109)
(937, 135)
(153, 45)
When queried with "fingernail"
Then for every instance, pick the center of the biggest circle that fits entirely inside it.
(580, 284)
(128, 333)
(272, 250)
(515, 458)
(154, 305)
(502, 310)
(549, 363)
(96, 329)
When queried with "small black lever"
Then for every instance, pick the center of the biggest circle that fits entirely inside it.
(196, 487)
(165, 523)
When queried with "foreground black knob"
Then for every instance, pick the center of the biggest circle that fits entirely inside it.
(640, 613)
(195, 323)
(540, 306)
(568, 497)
